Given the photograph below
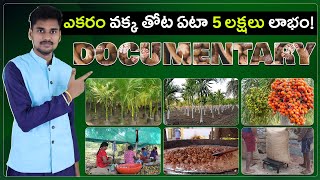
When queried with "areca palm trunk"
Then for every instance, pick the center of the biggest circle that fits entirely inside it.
(188, 112)
(111, 109)
(168, 110)
(150, 108)
(132, 113)
(201, 116)
(212, 112)
(192, 110)
(156, 113)
(106, 107)
(122, 109)
(135, 119)
(145, 112)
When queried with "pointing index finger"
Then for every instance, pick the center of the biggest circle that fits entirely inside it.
(84, 77)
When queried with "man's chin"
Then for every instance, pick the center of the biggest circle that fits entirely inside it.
(45, 52)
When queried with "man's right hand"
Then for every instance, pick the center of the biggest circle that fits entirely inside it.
(76, 86)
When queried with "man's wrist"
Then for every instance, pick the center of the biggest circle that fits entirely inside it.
(67, 97)
(70, 98)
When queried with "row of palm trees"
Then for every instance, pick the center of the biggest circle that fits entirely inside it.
(130, 95)
(197, 92)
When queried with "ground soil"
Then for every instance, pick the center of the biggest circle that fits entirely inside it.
(228, 117)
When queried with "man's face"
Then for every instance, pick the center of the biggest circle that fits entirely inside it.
(45, 36)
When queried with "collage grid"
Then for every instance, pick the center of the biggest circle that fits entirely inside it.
(171, 126)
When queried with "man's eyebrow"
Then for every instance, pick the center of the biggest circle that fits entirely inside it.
(52, 29)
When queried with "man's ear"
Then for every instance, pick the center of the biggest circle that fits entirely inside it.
(29, 34)
(59, 35)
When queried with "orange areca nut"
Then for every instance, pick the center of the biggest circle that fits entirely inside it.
(292, 98)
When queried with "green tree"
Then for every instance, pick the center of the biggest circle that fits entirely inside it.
(169, 94)
(134, 88)
(104, 94)
(190, 88)
(203, 90)
(220, 98)
(232, 87)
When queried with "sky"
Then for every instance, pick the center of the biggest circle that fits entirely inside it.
(214, 86)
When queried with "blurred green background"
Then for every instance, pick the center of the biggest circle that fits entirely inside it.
(15, 42)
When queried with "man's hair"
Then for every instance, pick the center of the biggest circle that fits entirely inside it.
(45, 12)
(130, 147)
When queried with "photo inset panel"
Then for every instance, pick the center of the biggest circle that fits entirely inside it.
(201, 150)
(123, 150)
(199, 102)
(123, 102)
(277, 151)
(277, 101)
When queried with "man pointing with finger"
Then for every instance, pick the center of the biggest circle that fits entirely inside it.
(40, 89)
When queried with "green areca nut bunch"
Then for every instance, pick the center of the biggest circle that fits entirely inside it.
(257, 102)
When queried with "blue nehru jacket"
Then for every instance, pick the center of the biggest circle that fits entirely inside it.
(43, 143)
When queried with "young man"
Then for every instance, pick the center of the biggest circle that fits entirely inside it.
(249, 136)
(305, 136)
(40, 90)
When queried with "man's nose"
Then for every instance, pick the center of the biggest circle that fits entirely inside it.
(47, 36)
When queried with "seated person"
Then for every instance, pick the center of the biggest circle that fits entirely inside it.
(129, 156)
(101, 157)
(138, 160)
(154, 153)
(144, 155)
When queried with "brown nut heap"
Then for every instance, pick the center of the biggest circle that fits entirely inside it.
(200, 159)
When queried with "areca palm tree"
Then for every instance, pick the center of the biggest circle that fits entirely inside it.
(169, 91)
(213, 100)
(232, 88)
(143, 99)
(134, 88)
(190, 87)
(153, 91)
(122, 87)
(220, 97)
(90, 98)
(186, 98)
(104, 94)
(203, 90)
